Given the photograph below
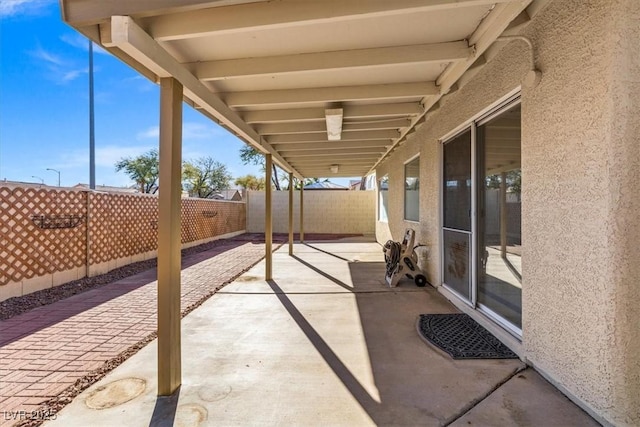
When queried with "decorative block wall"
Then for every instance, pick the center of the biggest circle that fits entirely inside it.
(325, 211)
(51, 236)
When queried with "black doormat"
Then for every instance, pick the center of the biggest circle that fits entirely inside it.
(461, 337)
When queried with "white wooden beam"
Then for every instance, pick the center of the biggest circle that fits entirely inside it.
(323, 152)
(326, 61)
(329, 94)
(343, 164)
(304, 146)
(385, 134)
(287, 13)
(125, 34)
(86, 12)
(319, 127)
(349, 112)
(169, 348)
(326, 173)
(268, 222)
(489, 29)
(302, 161)
(330, 157)
(301, 237)
(322, 162)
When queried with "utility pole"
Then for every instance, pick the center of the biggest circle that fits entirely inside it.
(58, 172)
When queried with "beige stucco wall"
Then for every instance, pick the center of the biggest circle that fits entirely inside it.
(325, 211)
(581, 175)
(624, 188)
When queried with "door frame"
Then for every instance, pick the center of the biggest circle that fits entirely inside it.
(508, 101)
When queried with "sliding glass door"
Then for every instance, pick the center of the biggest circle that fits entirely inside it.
(456, 199)
(481, 214)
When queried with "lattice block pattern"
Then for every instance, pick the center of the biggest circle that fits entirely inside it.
(203, 219)
(120, 226)
(27, 251)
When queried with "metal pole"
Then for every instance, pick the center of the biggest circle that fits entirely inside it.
(92, 139)
(58, 172)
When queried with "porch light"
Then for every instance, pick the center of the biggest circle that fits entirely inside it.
(334, 168)
(334, 124)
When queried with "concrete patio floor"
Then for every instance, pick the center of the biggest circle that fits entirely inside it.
(324, 343)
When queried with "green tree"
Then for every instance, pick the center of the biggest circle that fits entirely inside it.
(143, 170)
(204, 177)
(250, 182)
(251, 156)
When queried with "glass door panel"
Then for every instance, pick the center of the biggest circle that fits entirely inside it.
(457, 214)
(457, 262)
(499, 267)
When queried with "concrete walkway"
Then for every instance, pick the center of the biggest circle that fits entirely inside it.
(45, 350)
(324, 343)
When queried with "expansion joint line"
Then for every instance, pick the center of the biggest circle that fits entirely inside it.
(480, 399)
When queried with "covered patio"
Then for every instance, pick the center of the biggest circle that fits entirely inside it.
(344, 88)
(321, 88)
(324, 342)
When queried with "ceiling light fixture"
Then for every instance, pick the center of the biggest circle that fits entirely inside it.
(334, 123)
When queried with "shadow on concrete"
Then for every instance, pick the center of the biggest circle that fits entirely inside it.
(164, 413)
(322, 273)
(326, 252)
(366, 401)
(416, 385)
(44, 316)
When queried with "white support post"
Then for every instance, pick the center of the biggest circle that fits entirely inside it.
(290, 213)
(503, 215)
(169, 346)
(302, 211)
(268, 226)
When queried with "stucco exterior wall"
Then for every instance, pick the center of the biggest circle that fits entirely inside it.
(581, 175)
(624, 205)
(325, 211)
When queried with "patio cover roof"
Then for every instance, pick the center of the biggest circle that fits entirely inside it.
(273, 72)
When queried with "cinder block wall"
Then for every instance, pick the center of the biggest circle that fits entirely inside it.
(325, 211)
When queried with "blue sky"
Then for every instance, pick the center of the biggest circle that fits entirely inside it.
(44, 106)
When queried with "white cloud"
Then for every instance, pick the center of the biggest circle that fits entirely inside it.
(22, 7)
(79, 41)
(151, 132)
(193, 130)
(190, 131)
(72, 75)
(109, 155)
(106, 156)
(58, 69)
(48, 57)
